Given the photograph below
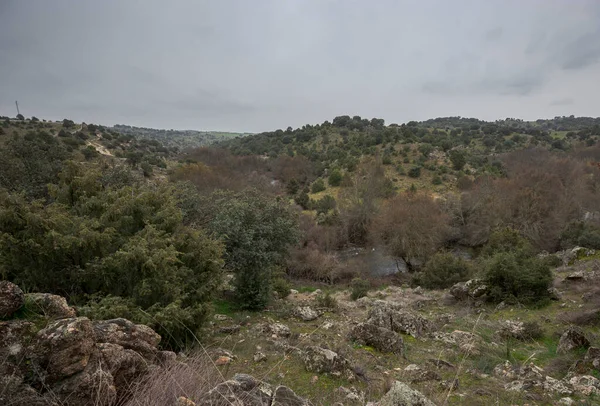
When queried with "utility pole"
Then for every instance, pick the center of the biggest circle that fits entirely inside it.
(17, 104)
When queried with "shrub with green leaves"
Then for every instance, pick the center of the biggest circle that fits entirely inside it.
(512, 271)
(317, 186)
(257, 231)
(335, 178)
(360, 288)
(104, 238)
(414, 172)
(443, 270)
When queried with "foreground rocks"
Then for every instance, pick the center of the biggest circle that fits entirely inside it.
(52, 306)
(392, 317)
(11, 298)
(380, 338)
(72, 361)
(403, 395)
(245, 390)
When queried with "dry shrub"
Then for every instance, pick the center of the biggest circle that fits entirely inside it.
(311, 263)
(162, 386)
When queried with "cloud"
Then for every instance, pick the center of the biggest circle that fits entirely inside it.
(267, 64)
(567, 101)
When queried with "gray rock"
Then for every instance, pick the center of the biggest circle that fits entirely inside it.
(284, 396)
(377, 337)
(11, 298)
(306, 313)
(63, 348)
(137, 337)
(321, 360)
(241, 390)
(52, 306)
(390, 316)
(403, 395)
(571, 339)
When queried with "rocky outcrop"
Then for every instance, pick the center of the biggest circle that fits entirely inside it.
(137, 337)
(471, 289)
(72, 361)
(380, 338)
(306, 313)
(276, 330)
(571, 339)
(403, 395)
(11, 298)
(245, 390)
(51, 306)
(392, 317)
(63, 349)
(322, 360)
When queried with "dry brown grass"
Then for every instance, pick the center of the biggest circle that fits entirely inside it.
(162, 386)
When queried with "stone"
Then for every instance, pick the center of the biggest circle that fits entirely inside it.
(468, 343)
(229, 329)
(275, 329)
(471, 289)
(380, 338)
(585, 385)
(11, 299)
(571, 339)
(390, 316)
(94, 385)
(223, 360)
(242, 390)
(221, 317)
(183, 401)
(124, 365)
(63, 348)
(51, 306)
(284, 396)
(511, 329)
(575, 276)
(259, 357)
(129, 335)
(554, 294)
(403, 395)
(566, 401)
(555, 386)
(416, 374)
(321, 360)
(306, 313)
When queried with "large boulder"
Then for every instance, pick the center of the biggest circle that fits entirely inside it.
(471, 289)
(63, 348)
(322, 360)
(124, 365)
(245, 390)
(306, 313)
(51, 306)
(128, 335)
(571, 339)
(377, 337)
(11, 298)
(94, 385)
(392, 317)
(242, 389)
(403, 395)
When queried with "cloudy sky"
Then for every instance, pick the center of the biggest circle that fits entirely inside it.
(258, 65)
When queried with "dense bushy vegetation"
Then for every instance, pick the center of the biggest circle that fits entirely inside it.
(126, 227)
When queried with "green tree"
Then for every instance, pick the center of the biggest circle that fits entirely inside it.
(257, 232)
(458, 159)
(317, 186)
(335, 178)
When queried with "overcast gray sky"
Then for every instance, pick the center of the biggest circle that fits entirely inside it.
(259, 65)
